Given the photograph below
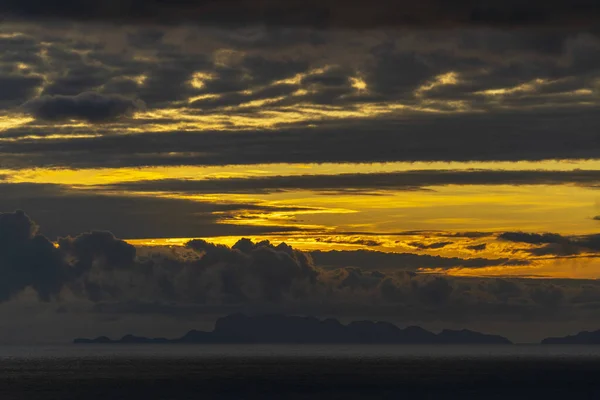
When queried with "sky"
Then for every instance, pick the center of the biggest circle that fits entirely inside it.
(432, 163)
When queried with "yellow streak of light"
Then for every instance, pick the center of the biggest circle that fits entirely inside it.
(449, 78)
(297, 79)
(259, 103)
(13, 121)
(358, 84)
(198, 80)
(574, 268)
(522, 88)
(203, 97)
(48, 137)
(139, 79)
(10, 35)
(116, 175)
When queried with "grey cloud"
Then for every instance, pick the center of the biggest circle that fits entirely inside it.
(264, 70)
(17, 88)
(398, 73)
(78, 80)
(89, 106)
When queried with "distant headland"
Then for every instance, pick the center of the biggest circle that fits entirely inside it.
(272, 329)
(584, 337)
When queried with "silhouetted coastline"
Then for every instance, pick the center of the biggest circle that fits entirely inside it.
(242, 329)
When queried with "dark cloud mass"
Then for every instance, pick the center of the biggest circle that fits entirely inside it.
(555, 244)
(324, 13)
(17, 88)
(89, 106)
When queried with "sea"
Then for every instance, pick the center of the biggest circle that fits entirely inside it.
(170, 372)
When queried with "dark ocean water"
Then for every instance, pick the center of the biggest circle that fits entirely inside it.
(172, 372)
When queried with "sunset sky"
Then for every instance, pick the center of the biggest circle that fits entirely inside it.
(468, 132)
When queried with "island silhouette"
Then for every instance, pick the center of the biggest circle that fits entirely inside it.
(584, 337)
(281, 329)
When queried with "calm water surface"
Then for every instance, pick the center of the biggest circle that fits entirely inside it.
(298, 372)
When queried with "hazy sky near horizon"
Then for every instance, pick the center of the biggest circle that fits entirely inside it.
(463, 134)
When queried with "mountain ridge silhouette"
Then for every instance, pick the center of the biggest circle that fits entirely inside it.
(280, 329)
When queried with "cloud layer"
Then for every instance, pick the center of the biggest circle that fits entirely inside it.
(88, 106)
(327, 13)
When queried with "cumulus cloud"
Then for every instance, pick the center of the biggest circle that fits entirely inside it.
(28, 259)
(89, 106)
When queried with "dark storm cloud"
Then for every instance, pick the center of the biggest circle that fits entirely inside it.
(79, 79)
(89, 106)
(62, 212)
(17, 88)
(407, 180)
(322, 13)
(88, 247)
(554, 244)
(17, 49)
(28, 259)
